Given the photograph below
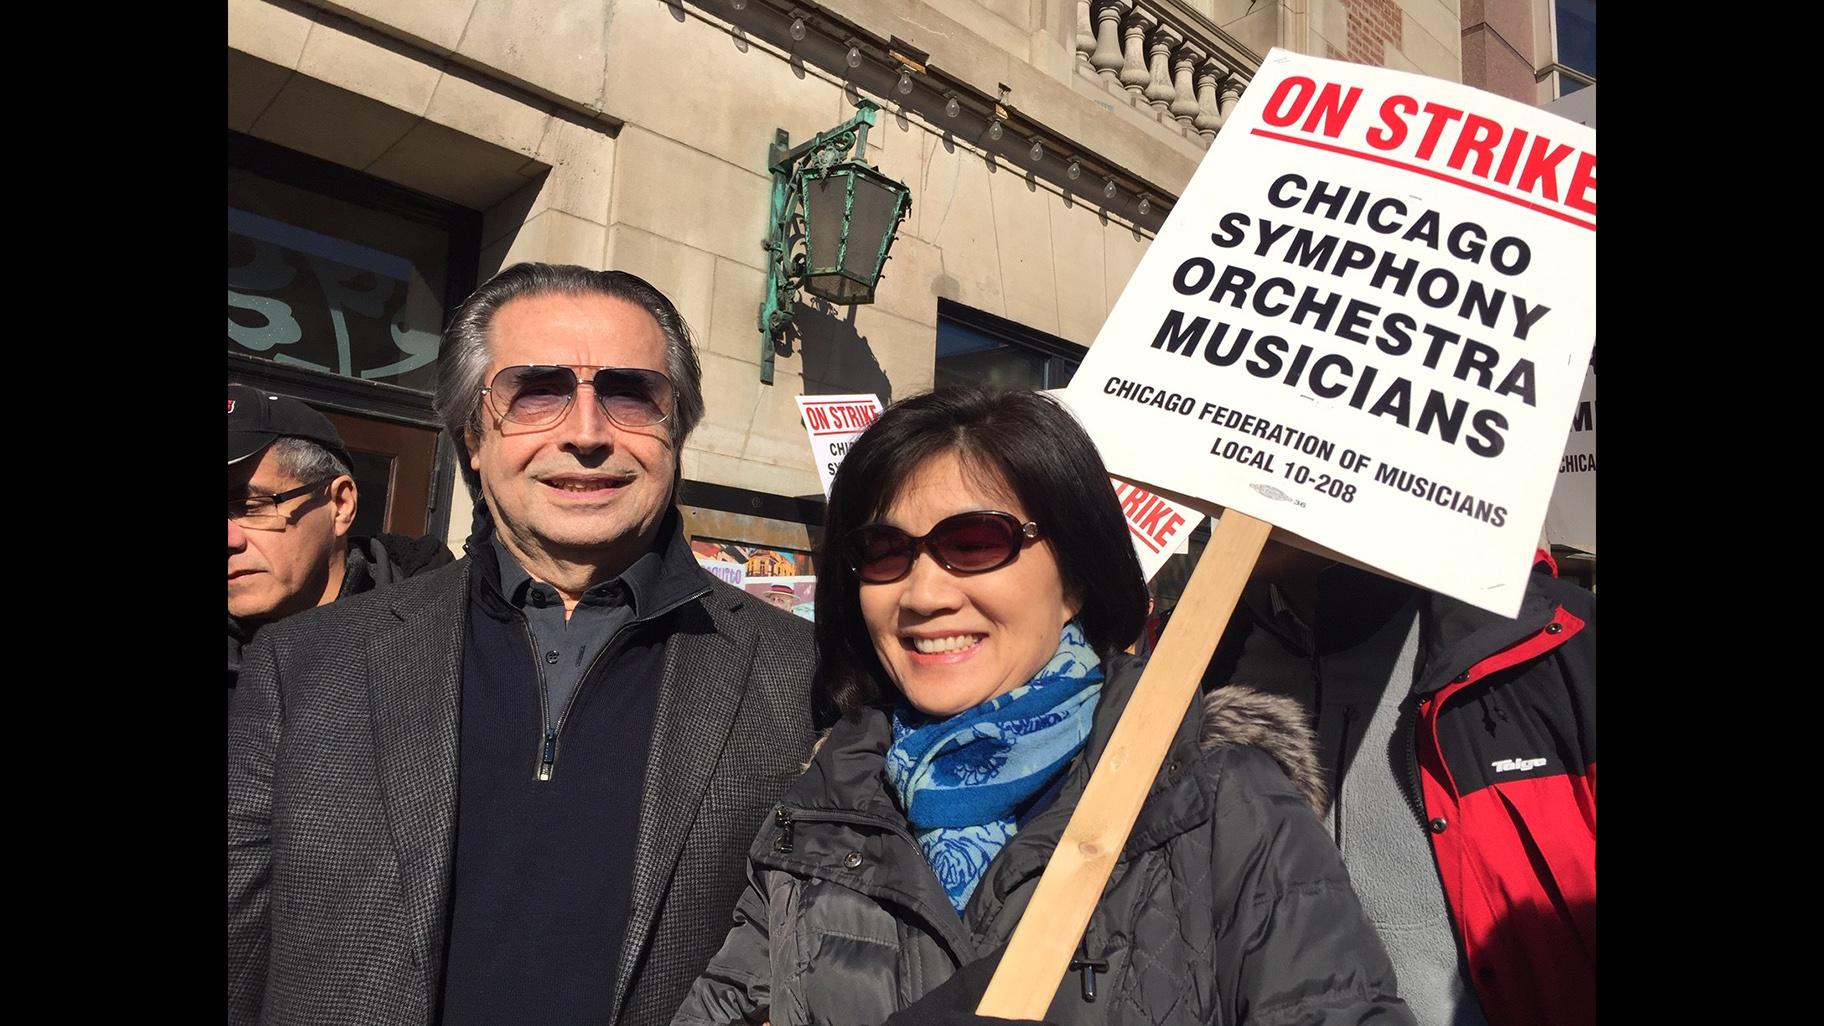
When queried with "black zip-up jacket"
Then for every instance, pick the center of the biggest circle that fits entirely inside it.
(1228, 905)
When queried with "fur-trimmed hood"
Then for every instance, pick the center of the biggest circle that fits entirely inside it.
(1275, 724)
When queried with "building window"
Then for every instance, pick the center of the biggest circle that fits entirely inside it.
(979, 348)
(339, 284)
(1574, 44)
(334, 272)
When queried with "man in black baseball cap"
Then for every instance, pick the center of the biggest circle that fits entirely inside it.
(291, 503)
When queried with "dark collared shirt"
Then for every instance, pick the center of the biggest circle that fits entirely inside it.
(547, 822)
(566, 646)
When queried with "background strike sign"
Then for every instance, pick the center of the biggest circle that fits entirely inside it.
(833, 423)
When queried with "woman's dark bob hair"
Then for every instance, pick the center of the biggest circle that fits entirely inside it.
(1012, 441)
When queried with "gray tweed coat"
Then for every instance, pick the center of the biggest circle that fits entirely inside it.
(342, 773)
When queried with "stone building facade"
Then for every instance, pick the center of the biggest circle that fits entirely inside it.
(388, 155)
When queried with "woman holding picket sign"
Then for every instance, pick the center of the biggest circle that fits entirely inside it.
(975, 589)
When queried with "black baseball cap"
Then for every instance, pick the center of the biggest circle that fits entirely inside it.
(257, 418)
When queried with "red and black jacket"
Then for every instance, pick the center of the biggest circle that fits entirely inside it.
(1501, 773)
(1506, 750)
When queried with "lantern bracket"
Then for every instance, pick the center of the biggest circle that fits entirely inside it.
(785, 244)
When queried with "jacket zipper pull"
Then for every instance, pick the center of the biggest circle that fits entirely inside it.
(547, 760)
(784, 844)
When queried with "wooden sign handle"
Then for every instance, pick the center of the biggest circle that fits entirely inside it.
(1039, 952)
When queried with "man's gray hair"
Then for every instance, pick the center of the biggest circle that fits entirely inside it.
(304, 461)
(463, 357)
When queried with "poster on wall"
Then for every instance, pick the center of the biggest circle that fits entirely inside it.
(1365, 322)
(795, 595)
(729, 572)
(754, 560)
(779, 577)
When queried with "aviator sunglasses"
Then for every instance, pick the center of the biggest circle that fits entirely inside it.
(967, 543)
(536, 395)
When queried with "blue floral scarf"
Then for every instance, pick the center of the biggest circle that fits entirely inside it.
(961, 779)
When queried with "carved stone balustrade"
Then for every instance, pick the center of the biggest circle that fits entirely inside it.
(1184, 93)
(1086, 33)
(1106, 58)
(1134, 74)
(1174, 64)
(1209, 115)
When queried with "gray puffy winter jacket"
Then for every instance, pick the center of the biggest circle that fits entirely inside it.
(1229, 903)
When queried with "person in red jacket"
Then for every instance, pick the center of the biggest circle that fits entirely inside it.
(1460, 752)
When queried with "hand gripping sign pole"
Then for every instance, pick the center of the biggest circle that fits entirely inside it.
(1365, 324)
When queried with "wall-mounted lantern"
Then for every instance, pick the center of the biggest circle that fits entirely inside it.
(849, 211)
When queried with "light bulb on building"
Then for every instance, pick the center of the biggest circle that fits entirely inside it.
(1075, 171)
(1037, 153)
(854, 56)
(1145, 205)
(797, 28)
(952, 108)
(994, 130)
(905, 83)
(1108, 188)
(740, 5)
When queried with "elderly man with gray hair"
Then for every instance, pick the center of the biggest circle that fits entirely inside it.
(519, 788)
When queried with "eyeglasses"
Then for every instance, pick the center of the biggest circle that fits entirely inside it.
(538, 395)
(261, 512)
(967, 543)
